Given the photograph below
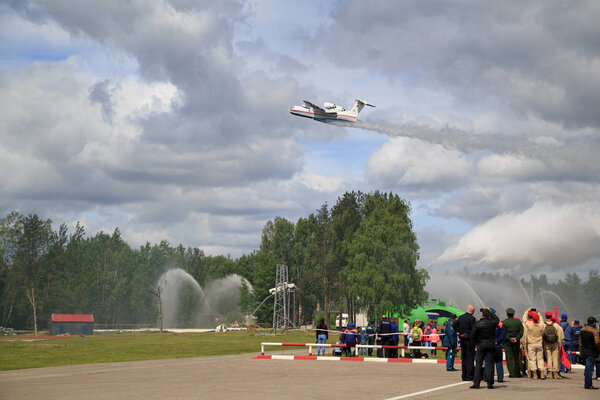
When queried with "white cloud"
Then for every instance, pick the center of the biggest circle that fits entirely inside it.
(405, 162)
(559, 236)
(169, 119)
(507, 166)
(321, 183)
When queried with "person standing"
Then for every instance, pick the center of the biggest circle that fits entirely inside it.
(576, 331)
(512, 343)
(484, 336)
(417, 336)
(500, 335)
(553, 337)
(435, 339)
(532, 335)
(450, 341)
(406, 332)
(384, 329)
(322, 335)
(589, 349)
(464, 325)
(427, 338)
(394, 342)
(364, 338)
(568, 340)
(371, 337)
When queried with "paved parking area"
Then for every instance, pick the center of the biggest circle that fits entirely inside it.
(241, 376)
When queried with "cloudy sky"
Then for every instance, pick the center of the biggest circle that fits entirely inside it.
(169, 119)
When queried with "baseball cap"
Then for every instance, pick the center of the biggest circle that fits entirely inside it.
(592, 320)
(564, 316)
(535, 317)
(510, 310)
(548, 314)
(493, 310)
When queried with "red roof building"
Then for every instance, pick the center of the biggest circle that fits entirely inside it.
(72, 318)
(76, 324)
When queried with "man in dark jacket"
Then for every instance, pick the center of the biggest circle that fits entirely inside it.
(395, 338)
(371, 337)
(500, 336)
(484, 336)
(383, 336)
(450, 341)
(349, 339)
(567, 341)
(589, 348)
(464, 325)
(512, 343)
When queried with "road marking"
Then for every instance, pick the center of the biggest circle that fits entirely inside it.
(279, 357)
(427, 391)
(381, 360)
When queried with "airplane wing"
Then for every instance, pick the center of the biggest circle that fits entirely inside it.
(311, 105)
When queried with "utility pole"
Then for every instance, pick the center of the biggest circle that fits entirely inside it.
(157, 294)
(31, 296)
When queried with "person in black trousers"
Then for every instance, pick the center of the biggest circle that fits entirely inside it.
(384, 338)
(464, 325)
(484, 336)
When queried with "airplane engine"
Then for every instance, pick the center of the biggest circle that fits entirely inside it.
(329, 105)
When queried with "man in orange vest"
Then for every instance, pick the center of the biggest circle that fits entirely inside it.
(349, 339)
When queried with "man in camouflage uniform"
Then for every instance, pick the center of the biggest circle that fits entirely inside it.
(512, 343)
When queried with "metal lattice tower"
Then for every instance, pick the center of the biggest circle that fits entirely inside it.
(283, 293)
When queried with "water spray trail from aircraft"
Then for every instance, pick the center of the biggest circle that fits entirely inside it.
(448, 137)
(571, 157)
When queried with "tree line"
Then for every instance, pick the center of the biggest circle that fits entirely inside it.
(359, 254)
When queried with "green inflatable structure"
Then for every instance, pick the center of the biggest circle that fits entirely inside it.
(435, 310)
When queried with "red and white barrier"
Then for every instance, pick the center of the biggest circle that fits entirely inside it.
(358, 346)
(402, 359)
(356, 359)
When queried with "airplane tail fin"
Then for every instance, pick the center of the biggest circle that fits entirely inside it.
(359, 106)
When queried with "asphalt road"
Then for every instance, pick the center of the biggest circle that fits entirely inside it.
(240, 376)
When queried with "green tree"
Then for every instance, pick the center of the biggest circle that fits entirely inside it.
(384, 254)
(346, 216)
(33, 236)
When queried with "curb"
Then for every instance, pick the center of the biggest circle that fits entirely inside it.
(355, 359)
(367, 359)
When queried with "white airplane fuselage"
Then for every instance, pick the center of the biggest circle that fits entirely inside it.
(329, 112)
(320, 116)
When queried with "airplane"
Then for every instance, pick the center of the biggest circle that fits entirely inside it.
(330, 112)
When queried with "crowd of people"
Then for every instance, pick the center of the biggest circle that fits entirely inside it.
(529, 344)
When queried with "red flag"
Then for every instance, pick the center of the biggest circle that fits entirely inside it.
(564, 358)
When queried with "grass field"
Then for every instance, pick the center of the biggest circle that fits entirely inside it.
(30, 352)
(18, 352)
